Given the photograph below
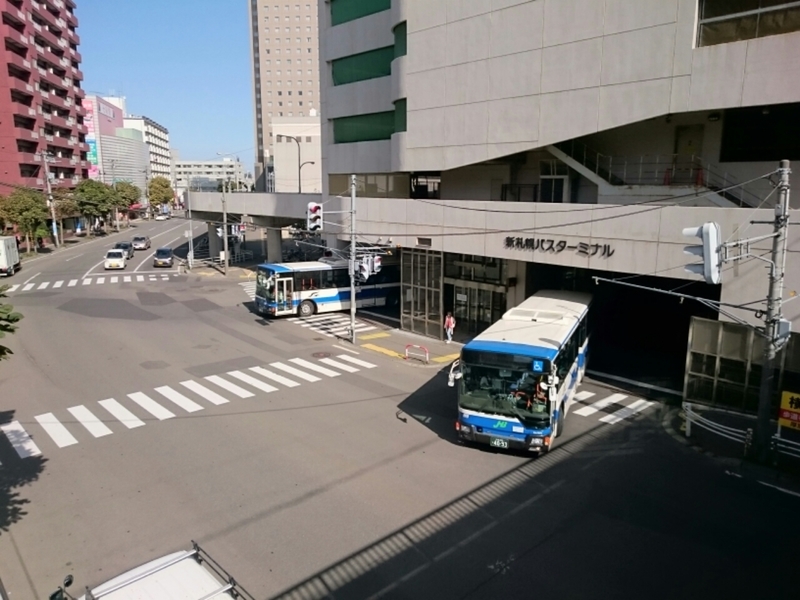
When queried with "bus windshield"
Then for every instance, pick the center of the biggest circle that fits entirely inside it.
(509, 390)
(265, 284)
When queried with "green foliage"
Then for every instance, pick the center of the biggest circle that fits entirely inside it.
(65, 204)
(8, 320)
(128, 194)
(26, 209)
(94, 198)
(160, 191)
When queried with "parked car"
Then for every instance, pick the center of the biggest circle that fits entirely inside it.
(141, 242)
(163, 257)
(115, 259)
(126, 247)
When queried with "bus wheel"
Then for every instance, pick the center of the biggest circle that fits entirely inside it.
(307, 308)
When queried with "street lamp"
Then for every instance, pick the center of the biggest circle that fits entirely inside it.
(299, 161)
(308, 162)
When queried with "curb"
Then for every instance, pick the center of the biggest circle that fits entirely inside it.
(666, 424)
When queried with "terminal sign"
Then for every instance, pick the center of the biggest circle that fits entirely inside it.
(559, 246)
(789, 415)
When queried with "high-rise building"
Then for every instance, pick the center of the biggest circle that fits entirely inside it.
(40, 94)
(285, 56)
(207, 174)
(157, 139)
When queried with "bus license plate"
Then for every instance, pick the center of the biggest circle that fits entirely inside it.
(498, 443)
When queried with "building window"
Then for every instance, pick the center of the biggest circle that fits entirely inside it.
(761, 134)
(363, 128)
(360, 67)
(343, 11)
(724, 21)
(400, 113)
(400, 40)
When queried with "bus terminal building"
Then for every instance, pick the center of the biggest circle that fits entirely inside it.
(502, 148)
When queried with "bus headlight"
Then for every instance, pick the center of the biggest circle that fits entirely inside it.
(537, 441)
(464, 428)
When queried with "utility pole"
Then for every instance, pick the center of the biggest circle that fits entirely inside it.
(225, 227)
(49, 188)
(353, 265)
(774, 314)
(189, 236)
(113, 162)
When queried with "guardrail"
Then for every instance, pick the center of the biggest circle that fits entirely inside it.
(743, 436)
(780, 445)
(418, 352)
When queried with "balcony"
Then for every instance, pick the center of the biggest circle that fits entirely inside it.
(13, 36)
(14, 14)
(23, 64)
(28, 158)
(28, 135)
(77, 74)
(20, 86)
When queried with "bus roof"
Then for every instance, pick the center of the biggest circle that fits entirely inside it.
(311, 265)
(537, 327)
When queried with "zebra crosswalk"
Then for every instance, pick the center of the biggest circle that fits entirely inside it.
(603, 405)
(136, 409)
(94, 280)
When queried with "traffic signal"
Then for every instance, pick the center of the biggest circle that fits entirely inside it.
(710, 251)
(376, 265)
(314, 217)
(364, 268)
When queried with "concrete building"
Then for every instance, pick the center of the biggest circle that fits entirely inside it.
(508, 147)
(157, 139)
(204, 175)
(116, 153)
(285, 53)
(40, 95)
(297, 153)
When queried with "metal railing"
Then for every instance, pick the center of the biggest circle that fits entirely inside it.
(781, 445)
(660, 169)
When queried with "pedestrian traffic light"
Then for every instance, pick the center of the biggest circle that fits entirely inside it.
(376, 265)
(710, 251)
(314, 217)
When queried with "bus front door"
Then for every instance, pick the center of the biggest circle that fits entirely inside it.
(284, 289)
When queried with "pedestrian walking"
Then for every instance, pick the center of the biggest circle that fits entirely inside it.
(449, 326)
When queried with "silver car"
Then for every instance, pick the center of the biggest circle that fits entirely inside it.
(141, 242)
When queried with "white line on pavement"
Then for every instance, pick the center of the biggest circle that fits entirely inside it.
(351, 351)
(338, 365)
(28, 287)
(72, 283)
(30, 279)
(43, 285)
(628, 411)
(57, 284)
(74, 257)
(151, 406)
(92, 269)
(600, 405)
(13, 288)
(93, 425)
(295, 372)
(204, 392)
(60, 434)
(274, 377)
(87, 281)
(20, 439)
(312, 367)
(259, 385)
(122, 414)
(179, 399)
(357, 361)
(231, 387)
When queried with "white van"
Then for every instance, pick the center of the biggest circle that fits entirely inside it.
(185, 575)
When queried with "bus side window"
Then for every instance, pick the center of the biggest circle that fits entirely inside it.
(341, 278)
(326, 281)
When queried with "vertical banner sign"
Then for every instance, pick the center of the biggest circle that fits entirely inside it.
(91, 138)
(789, 414)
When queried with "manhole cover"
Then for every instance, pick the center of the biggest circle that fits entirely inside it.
(321, 354)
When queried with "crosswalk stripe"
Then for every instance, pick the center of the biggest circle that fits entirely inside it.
(274, 377)
(152, 277)
(356, 361)
(583, 395)
(43, 285)
(57, 284)
(151, 406)
(626, 412)
(87, 281)
(204, 392)
(28, 287)
(20, 440)
(92, 424)
(600, 405)
(231, 387)
(339, 365)
(126, 279)
(179, 399)
(72, 283)
(13, 288)
(100, 280)
(140, 278)
(323, 317)
(122, 414)
(248, 379)
(114, 279)
(296, 372)
(358, 329)
(60, 434)
(165, 278)
(312, 367)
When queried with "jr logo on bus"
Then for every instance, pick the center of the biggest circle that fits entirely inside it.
(500, 424)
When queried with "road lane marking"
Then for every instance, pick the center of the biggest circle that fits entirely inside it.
(13, 288)
(114, 280)
(43, 286)
(122, 414)
(600, 405)
(583, 395)
(231, 387)
(141, 264)
(89, 272)
(127, 279)
(151, 406)
(338, 347)
(72, 283)
(30, 279)
(312, 367)
(57, 284)
(28, 287)
(357, 361)
(179, 399)
(100, 280)
(339, 365)
(375, 336)
(74, 257)
(296, 372)
(626, 412)
(204, 392)
(92, 424)
(20, 440)
(87, 281)
(139, 278)
(274, 377)
(250, 380)
(383, 350)
(60, 434)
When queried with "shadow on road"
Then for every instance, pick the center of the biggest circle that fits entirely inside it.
(15, 473)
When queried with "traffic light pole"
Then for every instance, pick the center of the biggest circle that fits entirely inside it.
(774, 315)
(225, 229)
(50, 203)
(353, 259)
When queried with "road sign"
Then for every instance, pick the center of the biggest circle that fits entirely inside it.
(789, 414)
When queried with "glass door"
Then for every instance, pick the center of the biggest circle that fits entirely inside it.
(285, 287)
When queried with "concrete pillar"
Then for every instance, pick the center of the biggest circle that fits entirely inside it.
(516, 270)
(214, 241)
(274, 245)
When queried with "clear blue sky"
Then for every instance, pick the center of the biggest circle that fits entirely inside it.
(183, 63)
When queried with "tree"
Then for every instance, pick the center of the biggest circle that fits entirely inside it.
(160, 191)
(27, 210)
(128, 193)
(8, 320)
(65, 207)
(94, 198)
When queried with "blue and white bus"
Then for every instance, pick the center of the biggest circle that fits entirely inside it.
(515, 379)
(308, 288)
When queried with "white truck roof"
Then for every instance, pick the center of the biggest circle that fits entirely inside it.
(184, 575)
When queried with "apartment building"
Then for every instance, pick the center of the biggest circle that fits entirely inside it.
(285, 60)
(206, 174)
(40, 94)
(156, 137)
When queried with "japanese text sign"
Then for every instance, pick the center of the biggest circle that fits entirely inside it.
(789, 414)
(559, 246)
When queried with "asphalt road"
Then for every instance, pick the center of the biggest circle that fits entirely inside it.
(337, 472)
